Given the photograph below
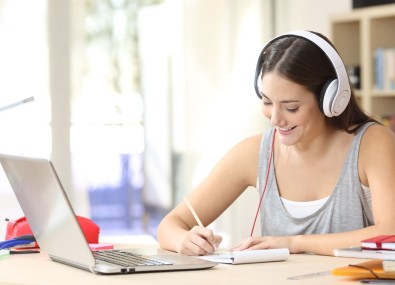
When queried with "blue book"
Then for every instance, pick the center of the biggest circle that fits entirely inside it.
(379, 68)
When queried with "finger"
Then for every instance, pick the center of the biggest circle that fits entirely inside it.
(205, 247)
(200, 241)
(215, 241)
(242, 246)
(190, 246)
(212, 239)
(258, 246)
(192, 249)
(246, 244)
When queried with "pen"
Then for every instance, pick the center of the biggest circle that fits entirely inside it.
(378, 281)
(193, 212)
(25, 251)
(12, 105)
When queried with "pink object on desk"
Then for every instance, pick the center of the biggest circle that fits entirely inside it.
(100, 246)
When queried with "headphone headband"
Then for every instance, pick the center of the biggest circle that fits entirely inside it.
(332, 105)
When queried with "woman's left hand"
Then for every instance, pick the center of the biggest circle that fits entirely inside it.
(265, 242)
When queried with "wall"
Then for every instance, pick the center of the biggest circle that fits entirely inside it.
(308, 14)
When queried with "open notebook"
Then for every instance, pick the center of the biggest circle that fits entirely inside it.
(249, 256)
(53, 222)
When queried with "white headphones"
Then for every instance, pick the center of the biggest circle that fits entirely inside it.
(336, 93)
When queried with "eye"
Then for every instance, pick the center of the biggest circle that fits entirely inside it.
(292, 110)
(266, 103)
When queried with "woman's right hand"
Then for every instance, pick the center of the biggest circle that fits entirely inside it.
(199, 241)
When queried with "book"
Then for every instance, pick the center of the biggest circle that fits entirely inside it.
(360, 252)
(379, 68)
(249, 256)
(368, 269)
(384, 68)
(384, 242)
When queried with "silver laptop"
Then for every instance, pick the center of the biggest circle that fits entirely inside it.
(54, 225)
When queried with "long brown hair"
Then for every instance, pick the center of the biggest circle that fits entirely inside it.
(304, 63)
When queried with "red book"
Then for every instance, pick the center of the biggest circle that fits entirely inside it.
(386, 242)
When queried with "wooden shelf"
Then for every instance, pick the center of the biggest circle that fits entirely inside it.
(383, 94)
(356, 35)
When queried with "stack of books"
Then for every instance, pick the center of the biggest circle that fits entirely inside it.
(384, 244)
(381, 249)
(378, 247)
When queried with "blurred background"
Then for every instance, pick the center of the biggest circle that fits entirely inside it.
(135, 100)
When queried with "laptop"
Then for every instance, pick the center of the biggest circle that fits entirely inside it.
(54, 225)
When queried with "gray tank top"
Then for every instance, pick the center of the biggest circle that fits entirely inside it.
(347, 208)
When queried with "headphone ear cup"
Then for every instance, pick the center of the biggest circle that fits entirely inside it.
(327, 95)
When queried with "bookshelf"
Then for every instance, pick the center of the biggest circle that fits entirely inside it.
(358, 35)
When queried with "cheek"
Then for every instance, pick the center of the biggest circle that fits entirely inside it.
(266, 111)
(309, 118)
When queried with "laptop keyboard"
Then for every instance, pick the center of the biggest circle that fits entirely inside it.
(127, 259)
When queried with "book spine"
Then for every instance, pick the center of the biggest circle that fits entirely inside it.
(384, 69)
(391, 63)
(377, 68)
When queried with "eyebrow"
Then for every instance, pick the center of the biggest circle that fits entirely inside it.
(283, 101)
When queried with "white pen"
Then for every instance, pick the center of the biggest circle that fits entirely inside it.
(193, 212)
(14, 104)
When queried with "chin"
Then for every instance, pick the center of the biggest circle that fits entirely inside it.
(289, 139)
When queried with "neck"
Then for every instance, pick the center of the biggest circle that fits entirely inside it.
(312, 146)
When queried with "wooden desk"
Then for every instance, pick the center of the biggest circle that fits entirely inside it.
(39, 270)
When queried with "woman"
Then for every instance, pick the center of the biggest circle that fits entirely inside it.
(326, 178)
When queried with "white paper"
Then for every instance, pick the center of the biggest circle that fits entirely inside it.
(249, 256)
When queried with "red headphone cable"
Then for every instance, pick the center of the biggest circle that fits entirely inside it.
(264, 189)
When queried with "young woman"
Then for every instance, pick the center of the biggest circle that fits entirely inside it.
(325, 171)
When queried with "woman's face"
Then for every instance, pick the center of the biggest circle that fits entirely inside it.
(291, 108)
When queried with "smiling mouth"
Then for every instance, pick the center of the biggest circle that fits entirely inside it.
(286, 130)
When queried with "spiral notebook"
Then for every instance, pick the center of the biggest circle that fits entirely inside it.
(249, 256)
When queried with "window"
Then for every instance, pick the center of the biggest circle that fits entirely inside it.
(25, 128)
(107, 133)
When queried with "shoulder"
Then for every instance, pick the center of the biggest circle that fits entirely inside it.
(252, 141)
(377, 145)
(247, 148)
(377, 136)
(238, 167)
(245, 154)
(255, 141)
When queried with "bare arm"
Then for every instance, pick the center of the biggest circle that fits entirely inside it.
(236, 171)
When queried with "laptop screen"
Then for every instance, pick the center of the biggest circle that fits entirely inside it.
(47, 209)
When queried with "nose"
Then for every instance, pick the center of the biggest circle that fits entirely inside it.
(276, 118)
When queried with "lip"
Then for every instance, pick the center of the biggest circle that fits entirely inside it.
(285, 131)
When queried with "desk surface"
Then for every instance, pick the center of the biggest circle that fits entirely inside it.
(38, 269)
